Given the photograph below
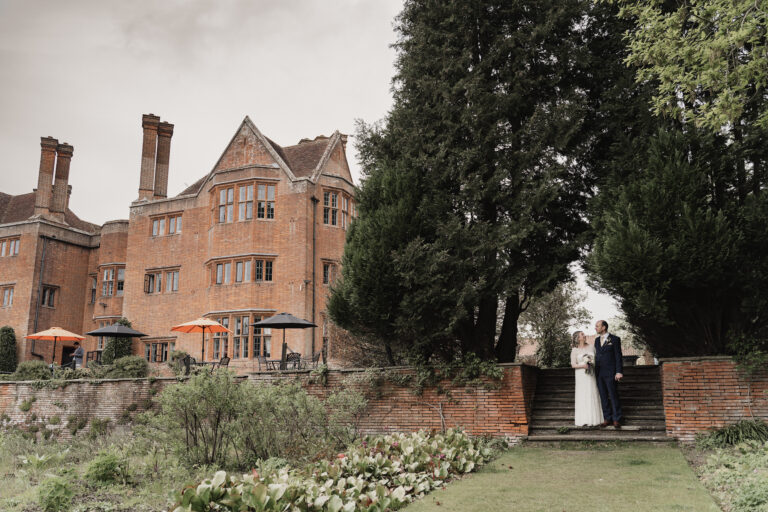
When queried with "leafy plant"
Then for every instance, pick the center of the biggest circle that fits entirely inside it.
(32, 370)
(117, 347)
(99, 427)
(26, 405)
(106, 468)
(740, 432)
(76, 423)
(55, 495)
(129, 367)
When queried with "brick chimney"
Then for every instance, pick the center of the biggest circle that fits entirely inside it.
(61, 183)
(44, 190)
(164, 134)
(148, 150)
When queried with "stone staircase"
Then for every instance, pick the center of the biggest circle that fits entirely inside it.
(641, 401)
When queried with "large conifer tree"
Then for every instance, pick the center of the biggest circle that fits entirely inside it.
(473, 197)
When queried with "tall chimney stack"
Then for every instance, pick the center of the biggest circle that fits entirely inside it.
(148, 149)
(164, 134)
(61, 183)
(45, 175)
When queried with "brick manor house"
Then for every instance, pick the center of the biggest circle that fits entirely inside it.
(262, 233)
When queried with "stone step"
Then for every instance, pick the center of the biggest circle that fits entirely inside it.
(568, 418)
(628, 370)
(630, 421)
(622, 395)
(572, 438)
(565, 406)
(624, 430)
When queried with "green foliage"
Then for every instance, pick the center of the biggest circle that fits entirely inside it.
(54, 420)
(55, 495)
(106, 468)
(26, 405)
(75, 424)
(740, 432)
(117, 347)
(736, 476)
(31, 370)
(707, 58)
(549, 320)
(174, 361)
(128, 367)
(472, 199)
(320, 374)
(470, 370)
(99, 427)
(210, 419)
(383, 473)
(682, 250)
(8, 358)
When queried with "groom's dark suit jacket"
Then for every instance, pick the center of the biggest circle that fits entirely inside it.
(608, 356)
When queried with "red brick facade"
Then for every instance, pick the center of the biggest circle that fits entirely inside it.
(266, 218)
(502, 411)
(710, 392)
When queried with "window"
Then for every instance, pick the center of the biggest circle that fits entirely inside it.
(243, 271)
(344, 211)
(153, 282)
(94, 287)
(219, 273)
(108, 283)
(330, 207)
(262, 339)
(221, 339)
(9, 246)
(266, 203)
(226, 198)
(120, 281)
(329, 273)
(158, 352)
(172, 281)
(245, 336)
(8, 297)
(174, 224)
(263, 270)
(100, 340)
(49, 296)
(239, 272)
(240, 338)
(245, 204)
(173, 221)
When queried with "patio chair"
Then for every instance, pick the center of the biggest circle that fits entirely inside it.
(293, 359)
(263, 363)
(224, 361)
(315, 359)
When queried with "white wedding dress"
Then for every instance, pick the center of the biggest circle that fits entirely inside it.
(588, 410)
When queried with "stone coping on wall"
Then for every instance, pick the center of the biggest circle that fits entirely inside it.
(694, 359)
(361, 369)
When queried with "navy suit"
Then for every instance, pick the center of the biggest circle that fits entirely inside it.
(607, 365)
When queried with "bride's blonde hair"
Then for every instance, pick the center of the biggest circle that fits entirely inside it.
(575, 342)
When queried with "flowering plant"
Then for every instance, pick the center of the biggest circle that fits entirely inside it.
(588, 360)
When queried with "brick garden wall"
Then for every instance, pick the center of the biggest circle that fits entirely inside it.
(709, 392)
(503, 410)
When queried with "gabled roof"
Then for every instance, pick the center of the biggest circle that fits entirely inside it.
(303, 160)
(22, 207)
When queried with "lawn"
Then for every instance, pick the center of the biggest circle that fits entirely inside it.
(628, 477)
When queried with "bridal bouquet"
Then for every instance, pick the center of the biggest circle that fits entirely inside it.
(588, 360)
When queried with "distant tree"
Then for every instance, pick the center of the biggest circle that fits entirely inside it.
(471, 196)
(550, 320)
(117, 347)
(8, 358)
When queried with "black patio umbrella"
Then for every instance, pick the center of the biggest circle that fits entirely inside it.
(284, 321)
(116, 331)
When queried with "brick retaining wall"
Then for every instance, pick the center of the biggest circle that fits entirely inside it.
(709, 392)
(504, 410)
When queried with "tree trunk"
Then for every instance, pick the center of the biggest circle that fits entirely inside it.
(485, 329)
(506, 349)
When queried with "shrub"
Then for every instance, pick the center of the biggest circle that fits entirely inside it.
(26, 405)
(128, 367)
(99, 427)
(736, 476)
(8, 358)
(346, 409)
(742, 431)
(107, 468)
(32, 370)
(174, 361)
(55, 495)
(116, 348)
(76, 423)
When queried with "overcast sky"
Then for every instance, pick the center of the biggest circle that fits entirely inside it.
(84, 71)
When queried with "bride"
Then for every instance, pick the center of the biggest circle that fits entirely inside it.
(587, 400)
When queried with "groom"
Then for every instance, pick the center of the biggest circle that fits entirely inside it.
(608, 370)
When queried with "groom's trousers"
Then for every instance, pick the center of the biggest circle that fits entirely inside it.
(609, 396)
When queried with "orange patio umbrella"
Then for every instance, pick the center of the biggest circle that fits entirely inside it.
(202, 325)
(55, 334)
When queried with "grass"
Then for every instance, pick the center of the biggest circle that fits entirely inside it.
(634, 477)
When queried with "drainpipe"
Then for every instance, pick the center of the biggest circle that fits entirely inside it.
(314, 258)
(39, 293)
